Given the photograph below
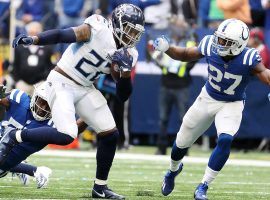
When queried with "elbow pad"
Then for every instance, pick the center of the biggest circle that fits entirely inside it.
(123, 89)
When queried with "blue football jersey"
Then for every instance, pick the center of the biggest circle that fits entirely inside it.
(227, 81)
(19, 114)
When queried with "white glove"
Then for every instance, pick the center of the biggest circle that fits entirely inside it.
(161, 44)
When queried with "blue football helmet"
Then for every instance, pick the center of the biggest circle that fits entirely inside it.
(128, 24)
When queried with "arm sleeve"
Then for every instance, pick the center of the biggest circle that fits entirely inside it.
(56, 36)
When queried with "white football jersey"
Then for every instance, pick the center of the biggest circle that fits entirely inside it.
(86, 61)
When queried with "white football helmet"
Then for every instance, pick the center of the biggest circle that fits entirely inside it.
(38, 105)
(230, 38)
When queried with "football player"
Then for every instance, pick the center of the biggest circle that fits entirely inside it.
(230, 65)
(99, 46)
(23, 112)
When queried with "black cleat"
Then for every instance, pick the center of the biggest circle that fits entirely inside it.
(6, 144)
(105, 193)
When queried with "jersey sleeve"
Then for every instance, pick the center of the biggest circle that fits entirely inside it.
(19, 106)
(205, 45)
(134, 53)
(252, 58)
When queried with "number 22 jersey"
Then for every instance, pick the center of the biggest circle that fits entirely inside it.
(86, 61)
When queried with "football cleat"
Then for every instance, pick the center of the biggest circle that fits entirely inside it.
(200, 192)
(6, 144)
(105, 193)
(24, 178)
(168, 181)
(42, 176)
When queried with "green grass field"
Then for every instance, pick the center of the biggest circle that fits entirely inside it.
(72, 178)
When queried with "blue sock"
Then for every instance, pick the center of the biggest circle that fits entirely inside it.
(24, 168)
(106, 147)
(46, 135)
(221, 152)
(178, 153)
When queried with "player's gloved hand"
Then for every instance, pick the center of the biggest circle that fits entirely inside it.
(2, 91)
(123, 59)
(22, 39)
(161, 43)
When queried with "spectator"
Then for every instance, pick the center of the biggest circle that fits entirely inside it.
(142, 4)
(4, 18)
(266, 6)
(190, 11)
(215, 15)
(175, 81)
(257, 13)
(238, 9)
(32, 64)
(256, 40)
(32, 10)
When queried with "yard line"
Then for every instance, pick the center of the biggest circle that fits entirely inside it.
(161, 158)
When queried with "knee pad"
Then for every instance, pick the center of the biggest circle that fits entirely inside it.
(224, 141)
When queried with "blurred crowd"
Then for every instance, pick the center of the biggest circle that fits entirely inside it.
(179, 19)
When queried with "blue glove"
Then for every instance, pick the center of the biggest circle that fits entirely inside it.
(22, 39)
(123, 59)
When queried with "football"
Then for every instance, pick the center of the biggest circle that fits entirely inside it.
(115, 72)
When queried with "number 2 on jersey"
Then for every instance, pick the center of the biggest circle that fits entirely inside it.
(99, 62)
(230, 90)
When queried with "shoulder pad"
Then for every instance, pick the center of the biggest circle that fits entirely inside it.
(97, 22)
(18, 96)
(205, 45)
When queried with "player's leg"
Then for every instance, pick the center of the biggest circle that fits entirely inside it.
(197, 119)
(60, 99)
(93, 109)
(14, 163)
(227, 121)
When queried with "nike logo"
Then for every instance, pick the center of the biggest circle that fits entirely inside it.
(101, 195)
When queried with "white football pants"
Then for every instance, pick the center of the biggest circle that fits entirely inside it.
(66, 98)
(203, 112)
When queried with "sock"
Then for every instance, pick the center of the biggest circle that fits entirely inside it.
(106, 147)
(209, 175)
(46, 135)
(218, 157)
(177, 155)
(24, 168)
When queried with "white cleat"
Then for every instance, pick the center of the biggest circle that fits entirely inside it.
(24, 178)
(42, 176)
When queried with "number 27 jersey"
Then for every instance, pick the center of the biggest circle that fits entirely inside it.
(227, 81)
(86, 61)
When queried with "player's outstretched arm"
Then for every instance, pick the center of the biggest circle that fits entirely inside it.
(80, 33)
(177, 53)
(262, 73)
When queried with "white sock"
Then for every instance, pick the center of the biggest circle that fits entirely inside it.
(209, 175)
(100, 182)
(174, 165)
(18, 136)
